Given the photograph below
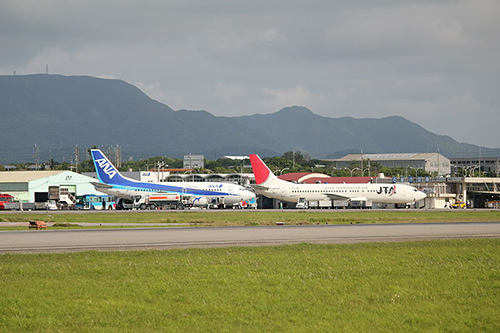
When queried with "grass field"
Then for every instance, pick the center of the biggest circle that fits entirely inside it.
(449, 285)
(253, 218)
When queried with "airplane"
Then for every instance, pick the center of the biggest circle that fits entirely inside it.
(112, 182)
(272, 187)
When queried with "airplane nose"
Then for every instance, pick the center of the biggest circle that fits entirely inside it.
(248, 195)
(420, 195)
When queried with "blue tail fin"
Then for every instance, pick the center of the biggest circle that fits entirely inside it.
(106, 171)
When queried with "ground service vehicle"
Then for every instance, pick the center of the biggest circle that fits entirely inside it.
(302, 203)
(62, 196)
(361, 204)
(321, 204)
(93, 201)
(458, 204)
(5, 199)
(7, 203)
(152, 201)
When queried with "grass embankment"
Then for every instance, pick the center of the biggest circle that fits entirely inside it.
(254, 218)
(451, 285)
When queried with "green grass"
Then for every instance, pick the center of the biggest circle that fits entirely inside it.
(451, 285)
(251, 218)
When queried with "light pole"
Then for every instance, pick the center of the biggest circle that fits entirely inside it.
(416, 170)
(281, 171)
(160, 164)
(464, 169)
(472, 168)
(352, 170)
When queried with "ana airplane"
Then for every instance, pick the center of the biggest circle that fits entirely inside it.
(113, 183)
(271, 186)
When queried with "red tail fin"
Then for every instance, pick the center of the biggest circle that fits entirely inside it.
(260, 169)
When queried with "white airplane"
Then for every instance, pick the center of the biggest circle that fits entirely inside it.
(272, 187)
(113, 183)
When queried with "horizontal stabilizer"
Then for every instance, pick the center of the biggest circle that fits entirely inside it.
(260, 187)
(100, 185)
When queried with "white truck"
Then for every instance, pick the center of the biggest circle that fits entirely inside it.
(302, 203)
(153, 201)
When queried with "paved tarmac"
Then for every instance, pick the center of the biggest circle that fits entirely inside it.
(160, 238)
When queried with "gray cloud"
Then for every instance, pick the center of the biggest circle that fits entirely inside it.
(432, 62)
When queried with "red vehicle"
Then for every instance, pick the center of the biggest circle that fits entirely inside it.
(5, 198)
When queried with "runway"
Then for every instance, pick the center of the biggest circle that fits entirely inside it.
(162, 238)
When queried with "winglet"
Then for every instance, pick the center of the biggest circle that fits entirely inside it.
(106, 171)
(260, 169)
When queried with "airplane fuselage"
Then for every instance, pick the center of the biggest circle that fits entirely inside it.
(231, 193)
(384, 193)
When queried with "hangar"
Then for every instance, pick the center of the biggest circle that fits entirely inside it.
(428, 162)
(33, 186)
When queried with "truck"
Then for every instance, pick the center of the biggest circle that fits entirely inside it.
(7, 202)
(153, 201)
(5, 199)
(217, 203)
(302, 203)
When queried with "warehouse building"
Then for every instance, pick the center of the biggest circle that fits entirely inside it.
(433, 163)
(470, 166)
(33, 186)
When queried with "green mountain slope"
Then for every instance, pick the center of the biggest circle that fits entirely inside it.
(59, 112)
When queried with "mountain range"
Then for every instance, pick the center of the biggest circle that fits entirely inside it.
(58, 112)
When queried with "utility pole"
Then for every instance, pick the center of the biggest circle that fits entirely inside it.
(118, 157)
(77, 158)
(109, 150)
(36, 155)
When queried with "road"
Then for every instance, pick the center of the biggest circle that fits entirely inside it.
(160, 238)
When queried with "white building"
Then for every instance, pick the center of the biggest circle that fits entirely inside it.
(427, 162)
(194, 161)
(33, 186)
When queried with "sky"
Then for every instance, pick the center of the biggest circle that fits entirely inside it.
(433, 62)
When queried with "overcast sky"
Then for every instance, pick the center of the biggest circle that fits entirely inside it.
(436, 63)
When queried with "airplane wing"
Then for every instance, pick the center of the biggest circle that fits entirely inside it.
(336, 196)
